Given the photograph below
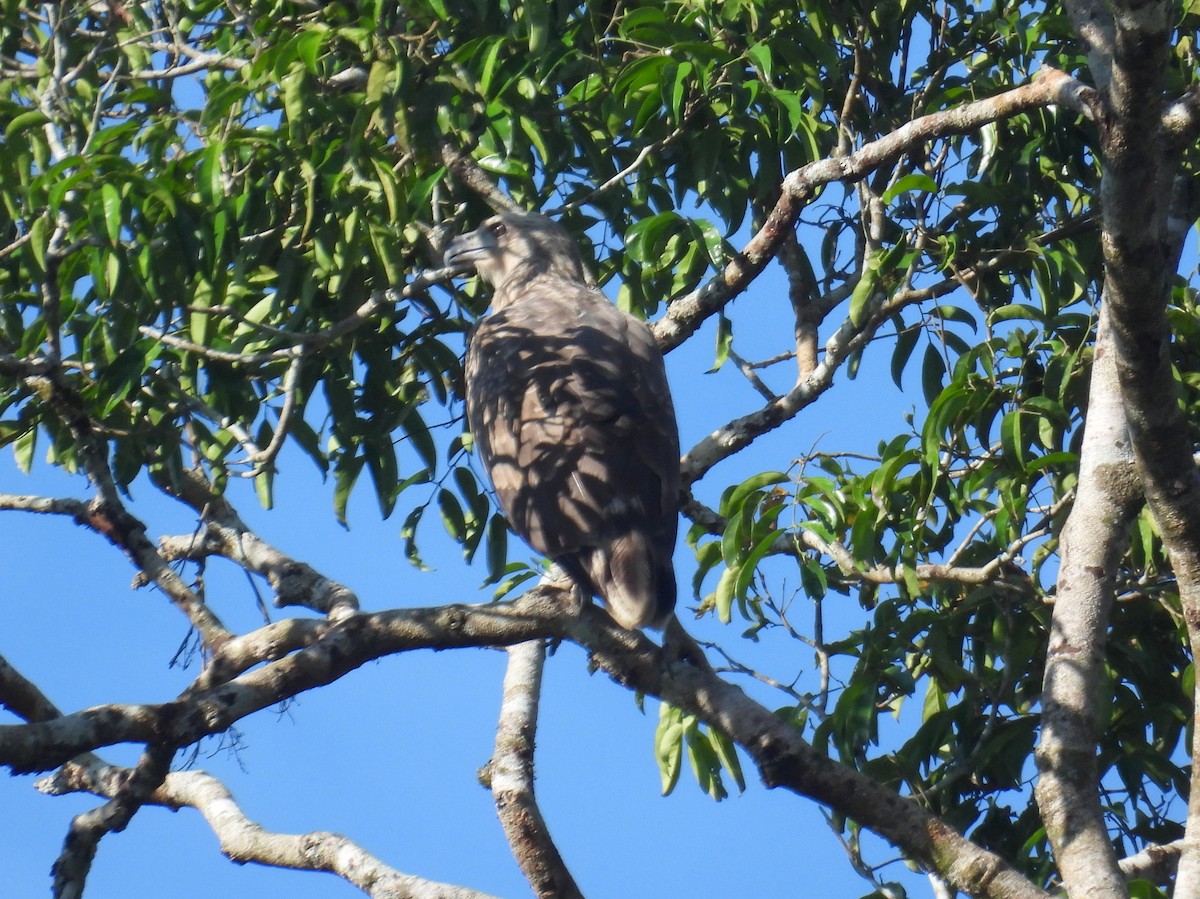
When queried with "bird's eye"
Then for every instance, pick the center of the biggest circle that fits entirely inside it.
(498, 229)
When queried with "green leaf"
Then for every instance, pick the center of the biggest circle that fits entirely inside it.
(452, 515)
(915, 182)
(668, 746)
(865, 289)
(497, 548)
(1012, 444)
(724, 342)
(727, 755)
(124, 374)
(34, 118)
(725, 593)
(408, 533)
(346, 473)
(23, 448)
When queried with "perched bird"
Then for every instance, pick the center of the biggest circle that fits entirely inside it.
(568, 404)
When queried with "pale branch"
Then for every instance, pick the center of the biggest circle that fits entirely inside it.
(264, 460)
(106, 513)
(45, 505)
(22, 697)
(784, 759)
(734, 436)
(686, 314)
(223, 533)
(1155, 863)
(71, 868)
(1093, 23)
(999, 570)
(245, 841)
(740, 432)
(747, 370)
(248, 360)
(294, 583)
(733, 666)
(802, 291)
(850, 336)
(645, 153)
(167, 378)
(265, 644)
(509, 775)
(341, 647)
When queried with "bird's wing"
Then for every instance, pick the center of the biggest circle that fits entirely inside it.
(569, 405)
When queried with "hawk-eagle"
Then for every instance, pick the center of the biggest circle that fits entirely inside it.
(568, 404)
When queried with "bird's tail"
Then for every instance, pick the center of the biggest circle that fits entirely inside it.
(634, 577)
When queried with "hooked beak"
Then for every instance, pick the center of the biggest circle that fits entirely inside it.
(465, 252)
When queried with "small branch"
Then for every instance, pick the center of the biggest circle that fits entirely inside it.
(265, 458)
(379, 302)
(44, 505)
(509, 775)
(747, 370)
(225, 534)
(106, 513)
(244, 841)
(1156, 864)
(83, 838)
(624, 173)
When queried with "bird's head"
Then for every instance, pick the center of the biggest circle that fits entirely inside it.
(516, 245)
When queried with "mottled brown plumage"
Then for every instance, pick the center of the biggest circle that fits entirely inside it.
(567, 400)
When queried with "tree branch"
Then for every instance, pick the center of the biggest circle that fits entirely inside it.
(243, 840)
(225, 534)
(1092, 543)
(686, 314)
(1140, 257)
(509, 775)
(783, 757)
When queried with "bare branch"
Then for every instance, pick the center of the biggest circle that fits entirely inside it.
(83, 838)
(243, 840)
(377, 304)
(225, 534)
(509, 775)
(107, 515)
(265, 458)
(1156, 864)
(783, 758)
(645, 153)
